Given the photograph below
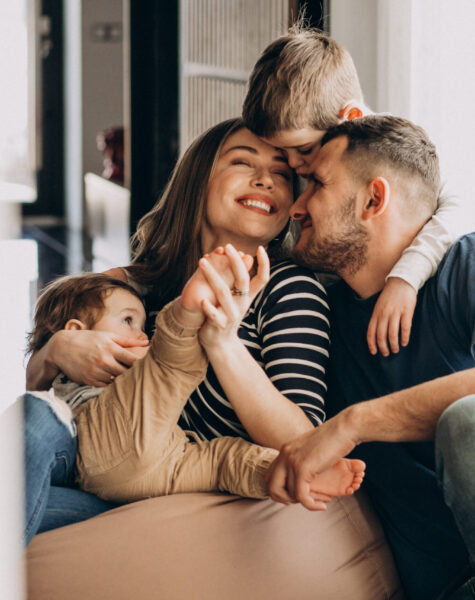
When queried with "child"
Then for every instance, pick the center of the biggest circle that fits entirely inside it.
(129, 444)
(304, 83)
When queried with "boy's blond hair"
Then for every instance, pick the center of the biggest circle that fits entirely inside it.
(302, 80)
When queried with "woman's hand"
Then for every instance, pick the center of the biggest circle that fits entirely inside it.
(89, 357)
(392, 313)
(222, 321)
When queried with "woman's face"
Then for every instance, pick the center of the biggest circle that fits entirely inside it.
(249, 194)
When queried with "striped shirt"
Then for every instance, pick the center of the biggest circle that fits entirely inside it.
(286, 330)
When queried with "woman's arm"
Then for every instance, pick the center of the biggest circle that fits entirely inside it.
(89, 357)
(283, 398)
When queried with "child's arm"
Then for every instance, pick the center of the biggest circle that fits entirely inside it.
(393, 312)
(188, 310)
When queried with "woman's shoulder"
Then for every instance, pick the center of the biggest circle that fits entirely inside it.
(118, 273)
(291, 282)
(286, 272)
(124, 274)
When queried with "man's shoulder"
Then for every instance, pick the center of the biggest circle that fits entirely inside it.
(459, 262)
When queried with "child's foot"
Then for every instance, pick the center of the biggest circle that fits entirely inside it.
(197, 288)
(344, 478)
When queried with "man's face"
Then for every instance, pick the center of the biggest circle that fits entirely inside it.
(301, 147)
(332, 238)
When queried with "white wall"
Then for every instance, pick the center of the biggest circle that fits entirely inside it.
(415, 59)
(18, 267)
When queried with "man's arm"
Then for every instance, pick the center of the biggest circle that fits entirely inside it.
(406, 416)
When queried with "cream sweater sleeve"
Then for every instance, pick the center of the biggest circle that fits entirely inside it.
(420, 260)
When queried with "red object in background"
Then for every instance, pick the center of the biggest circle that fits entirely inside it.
(111, 143)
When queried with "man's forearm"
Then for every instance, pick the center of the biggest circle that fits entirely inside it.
(408, 415)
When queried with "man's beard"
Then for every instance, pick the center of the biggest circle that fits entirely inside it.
(343, 252)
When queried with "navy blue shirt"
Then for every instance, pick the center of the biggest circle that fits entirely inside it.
(442, 338)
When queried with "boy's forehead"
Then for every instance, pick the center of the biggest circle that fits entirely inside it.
(294, 138)
(330, 155)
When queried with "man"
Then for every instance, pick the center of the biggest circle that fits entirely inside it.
(373, 185)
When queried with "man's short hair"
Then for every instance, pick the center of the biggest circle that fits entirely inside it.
(72, 297)
(383, 143)
(302, 80)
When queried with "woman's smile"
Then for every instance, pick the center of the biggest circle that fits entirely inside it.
(258, 202)
(256, 177)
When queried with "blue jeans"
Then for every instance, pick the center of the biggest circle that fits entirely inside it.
(52, 499)
(455, 457)
(429, 552)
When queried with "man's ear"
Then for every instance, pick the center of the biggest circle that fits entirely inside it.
(378, 198)
(74, 325)
(353, 110)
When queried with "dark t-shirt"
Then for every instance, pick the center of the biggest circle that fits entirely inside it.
(442, 338)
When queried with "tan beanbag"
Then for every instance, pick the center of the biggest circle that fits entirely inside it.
(216, 547)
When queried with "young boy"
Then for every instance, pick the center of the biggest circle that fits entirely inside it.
(304, 83)
(129, 444)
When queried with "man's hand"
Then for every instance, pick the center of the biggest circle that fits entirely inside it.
(299, 461)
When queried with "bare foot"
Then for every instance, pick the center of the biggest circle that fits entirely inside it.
(344, 478)
(197, 288)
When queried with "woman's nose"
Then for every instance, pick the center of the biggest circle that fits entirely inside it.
(142, 335)
(263, 179)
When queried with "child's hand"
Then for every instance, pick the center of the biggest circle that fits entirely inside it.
(222, 321)
(393, 311)
(188, 308)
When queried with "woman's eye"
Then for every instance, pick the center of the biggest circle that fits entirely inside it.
(285, 174)
(240, 161)
(305, 151)
(128, 320)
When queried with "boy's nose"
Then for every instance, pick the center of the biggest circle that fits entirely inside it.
(295, 160)
(142, 336)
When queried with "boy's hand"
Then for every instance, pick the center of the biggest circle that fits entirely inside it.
(222, 321)
(393, 312)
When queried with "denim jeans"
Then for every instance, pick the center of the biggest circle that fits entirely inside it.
(51, 497)
(428, 549)
(455, 454)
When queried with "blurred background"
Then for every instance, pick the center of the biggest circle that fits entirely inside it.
(99, 98)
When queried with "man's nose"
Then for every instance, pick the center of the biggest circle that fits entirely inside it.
(298, 211)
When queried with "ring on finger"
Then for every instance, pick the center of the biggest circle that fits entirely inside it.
(236, 292)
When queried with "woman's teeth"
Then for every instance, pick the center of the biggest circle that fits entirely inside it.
(257, 204)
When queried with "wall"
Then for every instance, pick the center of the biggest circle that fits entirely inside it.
(415, 59)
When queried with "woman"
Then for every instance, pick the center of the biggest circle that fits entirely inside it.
(267, 384)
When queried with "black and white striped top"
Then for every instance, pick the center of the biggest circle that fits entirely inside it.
(287, 332)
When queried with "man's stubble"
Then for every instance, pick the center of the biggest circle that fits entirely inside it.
(338, 252)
